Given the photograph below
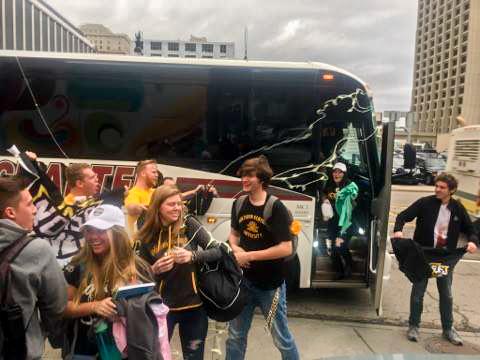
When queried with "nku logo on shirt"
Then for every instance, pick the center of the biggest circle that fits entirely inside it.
(252, 228)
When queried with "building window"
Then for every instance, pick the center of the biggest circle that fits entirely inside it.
(223, 49)
(190, 56)
(155, 54)
(190, 47)
(207, 56)
(156, 45)
(173, 46)
(172, 55)
(207, 48)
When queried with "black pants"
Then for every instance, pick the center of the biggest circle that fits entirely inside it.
(341, 256)
(192, 328)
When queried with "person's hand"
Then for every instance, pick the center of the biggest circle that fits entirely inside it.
(162, 265)
(213, 190)
(137, 209)
(105, 308)
(182, 256)
(398, 234)
(243, 258)
(339, 241)
(32, 156)
(471, 247)
(198, 188)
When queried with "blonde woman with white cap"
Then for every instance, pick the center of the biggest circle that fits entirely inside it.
(105, 262)
(340, 192)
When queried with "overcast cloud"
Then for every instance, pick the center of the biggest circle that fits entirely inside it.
(374, 39)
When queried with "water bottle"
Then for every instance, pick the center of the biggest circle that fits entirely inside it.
(105, 343)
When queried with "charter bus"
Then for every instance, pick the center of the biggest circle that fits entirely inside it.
(463, 162)
(200, 118)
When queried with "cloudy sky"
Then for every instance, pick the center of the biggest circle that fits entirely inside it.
(372, 38)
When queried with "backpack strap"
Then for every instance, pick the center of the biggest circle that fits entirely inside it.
(7, 256)
(268, 209)
(239, 204)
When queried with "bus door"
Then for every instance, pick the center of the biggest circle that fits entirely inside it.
(379, 260)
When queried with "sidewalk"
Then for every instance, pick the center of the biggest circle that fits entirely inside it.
(318, 339)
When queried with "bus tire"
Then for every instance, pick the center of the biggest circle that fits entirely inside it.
(292, 275)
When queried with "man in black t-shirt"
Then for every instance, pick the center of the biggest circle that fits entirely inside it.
(260, 246)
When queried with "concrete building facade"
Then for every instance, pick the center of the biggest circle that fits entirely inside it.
(194, 48)
(446, 81)
(34, 25)
(105, 41)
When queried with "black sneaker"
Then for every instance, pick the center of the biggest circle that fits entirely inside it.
(412, 333)
(452, 336)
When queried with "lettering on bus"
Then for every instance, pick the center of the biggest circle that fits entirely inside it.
(121, 175)
(103, 172)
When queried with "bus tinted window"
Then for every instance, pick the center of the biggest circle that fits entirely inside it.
(200, 117)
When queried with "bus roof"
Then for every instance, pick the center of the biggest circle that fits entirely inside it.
(467, 128)
(178, 60)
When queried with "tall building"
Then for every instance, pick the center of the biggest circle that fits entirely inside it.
(194, 48)
(105, 41)
(447, 67)
(34, 25)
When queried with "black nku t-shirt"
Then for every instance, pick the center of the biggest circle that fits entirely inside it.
(254, 235)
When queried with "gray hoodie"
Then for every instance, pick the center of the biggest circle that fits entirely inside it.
(37, 280)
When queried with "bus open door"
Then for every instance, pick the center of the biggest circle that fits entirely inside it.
(379, 260)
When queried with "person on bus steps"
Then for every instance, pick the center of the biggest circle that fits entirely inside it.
(341, 193)
(105, 262)
(440, 220)
(260, 249)
(139, 195)
(170, 244)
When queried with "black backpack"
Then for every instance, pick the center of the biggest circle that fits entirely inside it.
(14, 345)
(267, 214)
(220, 285)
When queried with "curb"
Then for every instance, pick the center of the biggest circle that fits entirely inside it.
(378, 321)
(413, 188)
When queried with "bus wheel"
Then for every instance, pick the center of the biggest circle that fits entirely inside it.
(292, 275)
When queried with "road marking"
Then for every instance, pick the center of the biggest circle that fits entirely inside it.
(470, 261)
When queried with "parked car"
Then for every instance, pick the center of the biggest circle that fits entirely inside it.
(430, 165)
(402, 176)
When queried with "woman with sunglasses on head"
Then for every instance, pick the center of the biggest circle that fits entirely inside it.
(170, 244)
(105, 263)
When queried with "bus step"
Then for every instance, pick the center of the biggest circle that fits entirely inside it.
(348, 283)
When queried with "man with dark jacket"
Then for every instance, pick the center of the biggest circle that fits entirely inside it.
(440, 220)
(37, 285)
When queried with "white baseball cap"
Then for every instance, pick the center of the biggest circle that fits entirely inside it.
(340, 166)
(104, 217)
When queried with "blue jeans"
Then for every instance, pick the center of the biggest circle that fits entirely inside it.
(444, 285)
(239, 327)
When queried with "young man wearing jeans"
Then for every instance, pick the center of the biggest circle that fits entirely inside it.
(440, 220)
(260, 245)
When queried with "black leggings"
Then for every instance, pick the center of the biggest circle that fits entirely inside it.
(192, 328)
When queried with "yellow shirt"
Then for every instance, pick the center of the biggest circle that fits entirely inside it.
(139, 197)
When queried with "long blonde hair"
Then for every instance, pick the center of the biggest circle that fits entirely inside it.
(153, 224)
(119, 267)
